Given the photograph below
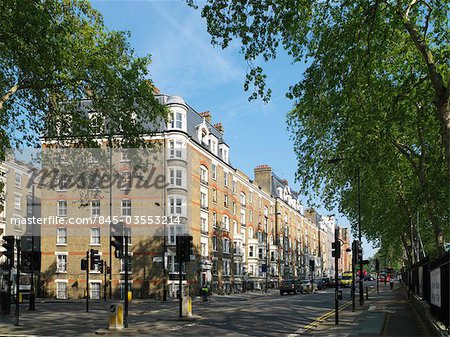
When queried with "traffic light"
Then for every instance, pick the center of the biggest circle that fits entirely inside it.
(188, 248)
(377, 265)
(336, 249)
(100, 266)
(360, 252)
(8, 246)
(355, 251)
(312, 264)
(117, 239)
(95, 258)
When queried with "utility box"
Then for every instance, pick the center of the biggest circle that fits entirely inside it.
(339, 295)
(116, 317)
(187, 306)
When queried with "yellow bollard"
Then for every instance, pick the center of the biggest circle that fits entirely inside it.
(189, 306)
(130, 296)
(115, 317)
(20, 298)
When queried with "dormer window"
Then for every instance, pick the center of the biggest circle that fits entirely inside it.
(176, 120)
(205, 137)
(213, 144)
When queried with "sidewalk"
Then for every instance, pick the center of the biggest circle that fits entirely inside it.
(386, 314)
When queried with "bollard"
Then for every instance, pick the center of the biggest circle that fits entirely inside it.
(367, 293)
(115, 317)
(187, 306)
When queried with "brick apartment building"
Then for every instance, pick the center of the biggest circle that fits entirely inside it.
(247, 233)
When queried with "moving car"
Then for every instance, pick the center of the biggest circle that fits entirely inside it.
(288, 286)
(305, 286)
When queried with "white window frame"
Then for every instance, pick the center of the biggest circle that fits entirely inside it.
(204, 174)
(176, 119)
(214, 171)
(174, 231)
(177, 177)
(18, 202)
(61, 208)
(125, 207)
(226, 223)
(177, 205)
(60, 264)
(61, 239)
(243, 199)
(95, 210)
(176, 149)
(18, 182)
(91, 288)
(214, 220)
(95, 239)
(57, 291)
(203, 197)
(204, 222)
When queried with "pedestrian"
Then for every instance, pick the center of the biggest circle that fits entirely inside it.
(205, 293)
(391, 283)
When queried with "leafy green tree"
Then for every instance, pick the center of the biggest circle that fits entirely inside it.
(376, 95)
(59, 62)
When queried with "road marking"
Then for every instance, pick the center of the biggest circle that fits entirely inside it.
(320, 320)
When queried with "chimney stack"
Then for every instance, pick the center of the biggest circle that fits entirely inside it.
(206, 115)
(263, 177)
(219, 127)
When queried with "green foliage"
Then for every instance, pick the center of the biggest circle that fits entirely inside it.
(375, 96)
(55, 55)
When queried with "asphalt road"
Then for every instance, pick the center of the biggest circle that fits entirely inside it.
(254, 314)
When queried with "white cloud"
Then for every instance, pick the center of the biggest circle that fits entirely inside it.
(184, 62)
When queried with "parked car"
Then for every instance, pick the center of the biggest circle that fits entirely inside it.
(327, 282)
(318, 284)
(288, 287)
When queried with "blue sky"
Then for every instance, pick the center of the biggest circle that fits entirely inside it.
(208, 78)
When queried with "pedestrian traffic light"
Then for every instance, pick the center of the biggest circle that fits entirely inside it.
(336, 249)
(8, 249)
(116, 240)
(188, 248)
(95, 258)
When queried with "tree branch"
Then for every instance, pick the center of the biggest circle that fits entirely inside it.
(10, 92)
(407, 152)
(419, 42)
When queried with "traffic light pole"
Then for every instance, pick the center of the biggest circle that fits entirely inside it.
(361, 287)
(105, 272)
(87, 280)
(336, 276)
(354, 254)
(125, 320)
(181, 287)
(17, 283)
(32, 266)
